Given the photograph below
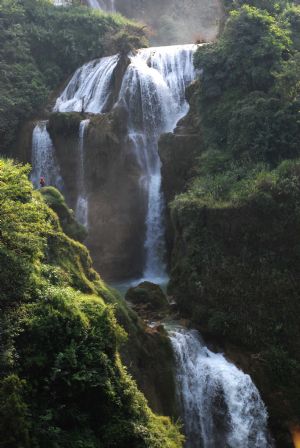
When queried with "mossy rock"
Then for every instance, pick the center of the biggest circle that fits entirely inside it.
(149, 295)
(64, 123)
(55, 200)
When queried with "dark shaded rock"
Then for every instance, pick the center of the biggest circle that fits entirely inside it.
(117, 204)
(149, 358)
(117, 80)
(178, 153)
(64, 132)
(148, 295)
(64, 124)
(23, 148)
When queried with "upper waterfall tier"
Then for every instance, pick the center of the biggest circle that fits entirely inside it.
(90, 86)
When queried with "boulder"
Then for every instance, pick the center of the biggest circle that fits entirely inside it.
(147, 295)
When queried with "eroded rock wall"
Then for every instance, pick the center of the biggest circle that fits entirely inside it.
(116, 203)
(178, 152)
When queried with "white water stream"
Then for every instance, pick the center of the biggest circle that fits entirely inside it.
(89, 88)
(153, 91)
(81, 211)
(221, 405)
(43, 158)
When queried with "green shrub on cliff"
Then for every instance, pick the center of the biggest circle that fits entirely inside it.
(62, 383)
(249, 89)
(55, 200)
(41, 45)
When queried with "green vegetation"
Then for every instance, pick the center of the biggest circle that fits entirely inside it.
(55, 200)
(235, 265)
(62, 383)
(41, 45)
(249, 89)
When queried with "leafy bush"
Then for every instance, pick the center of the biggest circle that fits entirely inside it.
(248, 95)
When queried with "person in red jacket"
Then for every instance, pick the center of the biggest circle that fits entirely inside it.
(42, 182)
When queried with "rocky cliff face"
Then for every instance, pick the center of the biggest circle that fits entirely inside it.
(116, 204)
(178, 152)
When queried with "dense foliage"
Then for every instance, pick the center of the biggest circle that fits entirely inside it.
(250, 86)
(236, 258)
(61, 380)
(41, 45)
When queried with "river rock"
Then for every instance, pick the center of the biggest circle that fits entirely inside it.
(147, 295)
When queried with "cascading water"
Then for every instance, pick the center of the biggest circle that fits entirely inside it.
(44, 163)
(81, 211)
(89, 88)
(153, 92)
(221, 406)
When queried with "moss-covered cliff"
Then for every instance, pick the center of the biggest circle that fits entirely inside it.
(62, 383)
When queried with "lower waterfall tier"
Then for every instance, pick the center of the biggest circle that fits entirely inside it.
(220, 404)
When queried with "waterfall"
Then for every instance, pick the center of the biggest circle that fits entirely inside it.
(90, 87)
(81, 211)
(221, 405)
(43, 158)
(153, 92)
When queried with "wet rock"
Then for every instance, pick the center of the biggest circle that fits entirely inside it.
(117, 204)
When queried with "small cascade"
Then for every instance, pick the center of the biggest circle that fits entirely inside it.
(220, 404)
(81, 211)
(44, 162)
(90, 87)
